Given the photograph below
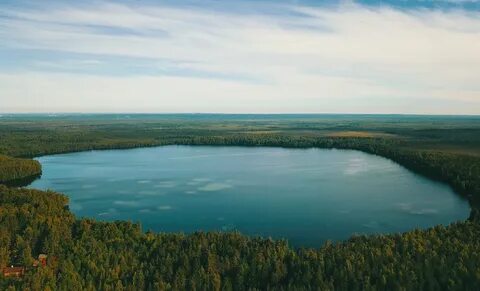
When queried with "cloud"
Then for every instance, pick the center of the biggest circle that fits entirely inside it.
(144, 181)
(197, 181)
(371, 225)
(164, 207)
(75, 206)
(410, 209)
(126, 203)
(166, 184)
(110, 211)
(146, 192)
(355, 166)
(210, 187)
(347, 58)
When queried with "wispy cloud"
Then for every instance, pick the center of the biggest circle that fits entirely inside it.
(212, 187)
(126, 203)
(346, 58)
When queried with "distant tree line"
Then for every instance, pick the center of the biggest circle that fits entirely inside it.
(461, 171)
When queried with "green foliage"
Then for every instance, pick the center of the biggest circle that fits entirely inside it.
(443, 148)
(119, 256)
(12, 169)
(31, 221)
(90, 255)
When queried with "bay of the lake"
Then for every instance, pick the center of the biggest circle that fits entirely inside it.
(306, 196)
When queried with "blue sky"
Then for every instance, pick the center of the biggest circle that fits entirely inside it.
(418, 57)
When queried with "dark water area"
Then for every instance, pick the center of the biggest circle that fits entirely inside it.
(306, 196)
(22, 182)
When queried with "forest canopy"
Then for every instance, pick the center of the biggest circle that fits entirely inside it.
(12, 169)
(90, 255)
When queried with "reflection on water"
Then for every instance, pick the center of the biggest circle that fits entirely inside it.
(22, 182)
(304, 195)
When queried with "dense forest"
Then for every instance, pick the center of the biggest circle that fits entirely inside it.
(87, 254)
(15, 169)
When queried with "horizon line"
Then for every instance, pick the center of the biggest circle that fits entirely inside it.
(229, 113)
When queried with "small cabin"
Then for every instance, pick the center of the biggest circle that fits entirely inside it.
(42, 259)
(13, 271)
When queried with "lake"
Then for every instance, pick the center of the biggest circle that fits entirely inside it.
(306, 196)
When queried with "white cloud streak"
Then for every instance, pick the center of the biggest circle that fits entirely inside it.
(344, 59)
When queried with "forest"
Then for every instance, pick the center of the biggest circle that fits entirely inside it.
(88, 254)
(16, 169)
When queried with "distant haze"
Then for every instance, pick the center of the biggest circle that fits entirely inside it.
(420, 57)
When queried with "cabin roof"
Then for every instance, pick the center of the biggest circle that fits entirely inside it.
(13, 270)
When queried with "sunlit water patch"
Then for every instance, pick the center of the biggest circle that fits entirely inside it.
(304, 195)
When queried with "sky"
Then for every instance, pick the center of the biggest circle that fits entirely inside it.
(238, 56)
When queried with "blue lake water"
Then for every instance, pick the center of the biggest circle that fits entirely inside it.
(306, 196)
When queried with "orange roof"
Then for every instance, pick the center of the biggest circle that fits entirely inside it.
(13, 271)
